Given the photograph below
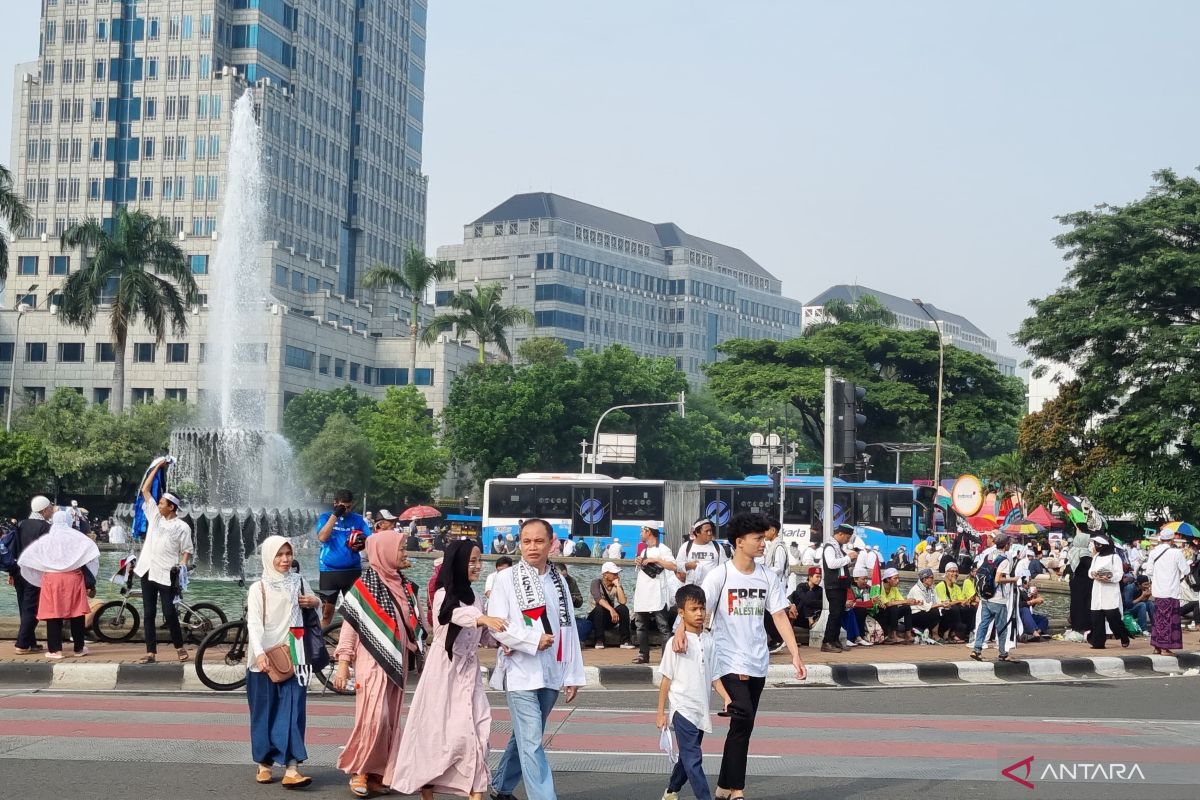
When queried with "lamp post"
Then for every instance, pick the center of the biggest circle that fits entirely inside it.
(22, 310)
(937, 442)
(681, 404)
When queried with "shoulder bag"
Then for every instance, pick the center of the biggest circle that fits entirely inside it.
(279, 658)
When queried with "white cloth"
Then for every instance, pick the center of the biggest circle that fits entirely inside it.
(926, 596)
(525, 667)
(166, 542)
(706, 557)
(60, 549)
(272, 603)
(568, 547)
(775, 558)
(613, 551)
(1106, 594)
(1166, 567)
(808, 556)
(650, 594)
(692, 674)
(834, 556)
(737, 603)
(116, 534)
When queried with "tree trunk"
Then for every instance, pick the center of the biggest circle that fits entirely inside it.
(118, 404)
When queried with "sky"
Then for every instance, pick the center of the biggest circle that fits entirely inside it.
(919, 148)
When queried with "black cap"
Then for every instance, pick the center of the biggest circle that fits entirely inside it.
(844, 528)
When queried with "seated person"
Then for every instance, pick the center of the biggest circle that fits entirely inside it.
(610, 607)
(958, 615)
(900, 559)
(895, 610)
(1037, 626)
(1138, 602)
(806, 604)
(926, 607)
(859, 606)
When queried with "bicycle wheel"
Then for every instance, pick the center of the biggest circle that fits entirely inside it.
(221, 659)
(116, 621)
(325, 676)
(200, 620)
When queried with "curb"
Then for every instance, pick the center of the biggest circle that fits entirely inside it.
(77, 676)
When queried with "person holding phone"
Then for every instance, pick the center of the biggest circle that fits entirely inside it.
(343, 535)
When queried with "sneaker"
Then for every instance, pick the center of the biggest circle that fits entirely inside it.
(27, 651)
(779, 648)
(55, 656)
(641, 659)
(501, 796)
(669, 795)
(599, 646)
(850, 643)
(628, 646)
(862, 642)
(82, 653)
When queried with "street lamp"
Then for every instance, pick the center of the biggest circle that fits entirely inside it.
(937, 442)
(22, 310)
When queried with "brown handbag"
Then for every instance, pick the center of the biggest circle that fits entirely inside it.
(279, 658)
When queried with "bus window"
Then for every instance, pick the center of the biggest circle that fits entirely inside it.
(755, 501)
(797, 507)
(868, 507)
(553, 501)
(841, 509)
(512, 502)
(900, 512)
(639, 503)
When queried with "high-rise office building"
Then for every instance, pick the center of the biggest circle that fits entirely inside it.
(594, 277)
(129, 105)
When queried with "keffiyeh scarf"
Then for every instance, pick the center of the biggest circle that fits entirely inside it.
(531, 598)
(370, 610)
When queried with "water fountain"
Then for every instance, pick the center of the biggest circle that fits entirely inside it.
(240, 477)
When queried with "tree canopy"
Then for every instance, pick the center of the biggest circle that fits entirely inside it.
(338, 457)
(408, 461)
(307, 413)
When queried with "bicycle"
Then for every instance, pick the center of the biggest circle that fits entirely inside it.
(119, 621)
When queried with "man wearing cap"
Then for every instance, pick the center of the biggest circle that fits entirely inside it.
(610, 608)
(836, 564)
(1167, 568)
(385, 520)
(168, 547)
(650, 591)
(28, 531)
(700, 554)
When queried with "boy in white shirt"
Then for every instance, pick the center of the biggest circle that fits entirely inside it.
(686, 678)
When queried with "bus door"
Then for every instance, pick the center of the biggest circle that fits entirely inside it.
(591, 513)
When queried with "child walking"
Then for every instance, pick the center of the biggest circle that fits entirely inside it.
(686, 678)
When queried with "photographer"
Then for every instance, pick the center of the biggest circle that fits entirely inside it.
(342, 535)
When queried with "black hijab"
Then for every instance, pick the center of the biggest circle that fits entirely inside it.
(455, 578)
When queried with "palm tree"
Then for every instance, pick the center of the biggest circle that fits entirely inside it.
(139, 250)
(866, 310)
(482, 313)
(417, 275)
(13, 213)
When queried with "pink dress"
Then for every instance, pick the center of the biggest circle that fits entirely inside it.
(445, 742)
(63, 596)
(378, 704)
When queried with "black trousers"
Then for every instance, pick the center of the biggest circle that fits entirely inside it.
(28, 596)
(1113, 617)
(152, 594)
(837, 607)
(54, 631)
(602, 622)
(773, 637)
(926, 619)
(643, 623)
(957, 621)
(893, 618)
(745, 695)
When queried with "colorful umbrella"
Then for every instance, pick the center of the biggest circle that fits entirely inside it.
(419, 512)
(1072, 507)
(1025, 527)
(1182, 529)
(981, 523)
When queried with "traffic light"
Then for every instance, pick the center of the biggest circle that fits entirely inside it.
(848, 449)
(776, 479)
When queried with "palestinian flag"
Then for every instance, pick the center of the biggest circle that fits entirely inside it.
(876, 580)
(295, 643)
(1072, 507)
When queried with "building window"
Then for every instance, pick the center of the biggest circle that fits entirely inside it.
(199, 265)
(60, 265)
(105, 354)
(143, 396)
(339, 368)
(27, 265)
(35, 352)
(35, 394)
(143, 353)
(100, 395)
(177, 395)
(281, 275)
(393, 376)
(298, 281)
(422, 377)
(323, 365)
(70, 352)
(369, 376)
(177, 353)
(298, 357)
(354, 369)
(6, 352)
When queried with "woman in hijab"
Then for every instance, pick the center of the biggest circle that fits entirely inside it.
(277, 710)
(377, 637)
(1079, 556)
(63, 562)
(1106, 571)
(445, 746)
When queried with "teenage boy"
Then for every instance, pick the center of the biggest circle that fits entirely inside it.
(686, 678)
(737, 594)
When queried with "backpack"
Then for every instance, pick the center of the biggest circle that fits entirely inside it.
(8, 551)
(985, 579)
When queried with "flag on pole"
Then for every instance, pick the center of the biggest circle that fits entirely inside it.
(1072, 506)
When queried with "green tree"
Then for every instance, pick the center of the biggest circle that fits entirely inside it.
(899, 371)
(339, 457)
(307, 413)
(542, 350)
(124, 268)
(409, 462)
(868, 310)
(416, 276)
(482, 313)
(1153, 495)
(14, 215)
(1008, 473)
(23, 471)
(1058, 448)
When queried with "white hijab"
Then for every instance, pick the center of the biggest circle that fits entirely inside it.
(61, 549)
(282, 590)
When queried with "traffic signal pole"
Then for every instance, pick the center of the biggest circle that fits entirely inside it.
(827, 510)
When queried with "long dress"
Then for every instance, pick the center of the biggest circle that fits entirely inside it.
(445, 743)
(378, 703)
(1081, 596)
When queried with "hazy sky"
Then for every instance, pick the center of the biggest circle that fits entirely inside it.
(920, 148)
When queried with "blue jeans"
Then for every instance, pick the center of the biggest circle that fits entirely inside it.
(688, 769)
(999, 613)
(1143, 612)
(524, 756)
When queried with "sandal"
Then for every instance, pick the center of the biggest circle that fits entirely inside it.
(183, 654)
(1009, 659)
(149, 658)
(358, 785)
(264, 775)
(976, 655)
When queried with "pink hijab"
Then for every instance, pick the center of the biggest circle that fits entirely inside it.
(383, 551)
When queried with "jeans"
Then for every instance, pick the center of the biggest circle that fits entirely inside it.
(850, 625)
(643, 624)
(525, 757)
(745, 695)
(1143, 612)
(152, 593)
(54, 630)
(998, 612)
(689, 768)
(28, 596)
(602, 622)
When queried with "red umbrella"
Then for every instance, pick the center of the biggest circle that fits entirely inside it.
(981, 523)
(419, 512)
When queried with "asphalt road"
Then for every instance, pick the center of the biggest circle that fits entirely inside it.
(889, 743)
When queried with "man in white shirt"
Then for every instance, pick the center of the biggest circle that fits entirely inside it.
(168, 547)
(540, 658)
(835, 565)
(1167, 568)
(999, 607)
(613, 551)
(568, 546)
(502, 563)
(116, 533)
(699, 555)
(650, 593)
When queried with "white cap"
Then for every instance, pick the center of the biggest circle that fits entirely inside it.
(890, 572)
(610, 567)
(74, 504)
(385, 514)
(39, 504)
(174, 500)
(860, 572)
(1166, 536)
